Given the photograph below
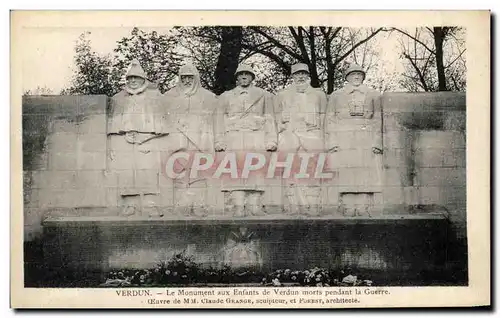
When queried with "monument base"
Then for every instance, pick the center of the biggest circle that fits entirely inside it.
(395, 249)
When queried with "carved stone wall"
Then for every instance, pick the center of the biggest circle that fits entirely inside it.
(64, 158)
(66, 181)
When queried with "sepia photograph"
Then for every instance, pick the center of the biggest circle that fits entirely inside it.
(174, 160)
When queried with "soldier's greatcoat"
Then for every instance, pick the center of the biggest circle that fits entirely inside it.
(353, 134)
(300, 115)
(189, 118)
(244, 123)
(135, 134)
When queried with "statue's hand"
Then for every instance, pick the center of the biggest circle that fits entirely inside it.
(334, 149)
(220, 146)
(131, 136)
(376, 150)
(271, 146)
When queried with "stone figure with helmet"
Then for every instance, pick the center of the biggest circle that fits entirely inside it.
(244, 122)
(353, 138)
(189, 117)
(300, 115)
(135, 135)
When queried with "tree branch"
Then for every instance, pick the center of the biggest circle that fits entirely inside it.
(334, 34)
(416, 40)
(419, 73)
(414, 82)
(452, 62)
(426, 65)
(341, 58)
(312, 46)
(329, 65)
(455, 83)
(252, 50)
(276, 42)
(303, 30)
(271, 56)
(299, 39)
(326, 33)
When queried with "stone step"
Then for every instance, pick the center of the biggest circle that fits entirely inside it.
(134, 221)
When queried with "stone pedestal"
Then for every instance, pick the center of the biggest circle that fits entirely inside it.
(97, 245)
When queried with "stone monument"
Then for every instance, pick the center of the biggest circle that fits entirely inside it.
(94, 193)
(354, 140)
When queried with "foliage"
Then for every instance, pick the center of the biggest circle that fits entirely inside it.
(316, 276)
(183, 270)
(44, 90)
(217, 50)
(202, 50)
(94, 74)
(156, 53)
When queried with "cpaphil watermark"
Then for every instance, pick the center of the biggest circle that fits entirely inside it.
(306, 166)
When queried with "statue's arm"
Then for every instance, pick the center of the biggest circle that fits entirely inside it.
(219, 125)
(378, 146)
(280, 117)
(270, 123)
(323, 102)
(331, 142)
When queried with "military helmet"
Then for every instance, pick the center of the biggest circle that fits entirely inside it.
(244, 68)
(135, 69)
(300, 67)
(187, 69)
(354, 68)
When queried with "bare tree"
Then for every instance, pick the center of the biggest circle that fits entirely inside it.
(324, 49)
(434, 58)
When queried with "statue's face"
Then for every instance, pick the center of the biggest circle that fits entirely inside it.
(301, 77)
(355, 78)
(244, 79)
(187, 80)
(135, 82)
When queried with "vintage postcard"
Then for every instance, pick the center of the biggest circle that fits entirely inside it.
(270, 159)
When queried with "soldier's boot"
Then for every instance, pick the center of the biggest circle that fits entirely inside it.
(199, 204)
(365, 206)
(183, 199)
(291, 205)
(349, 210)
(150, 205)
(183, 210)
(238, 203)
(254, 203)
(364, 210)
(199, 210)
(130, 205)
(312, 201)
(357, 204)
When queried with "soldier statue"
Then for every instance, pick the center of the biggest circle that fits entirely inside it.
(354, 140)
(134, 132)
(189, 115)
(300, 114)
(244, 123)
